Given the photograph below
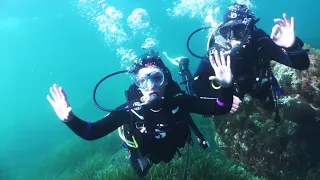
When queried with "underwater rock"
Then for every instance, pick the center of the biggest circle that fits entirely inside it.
(306, 83)
(278, 150)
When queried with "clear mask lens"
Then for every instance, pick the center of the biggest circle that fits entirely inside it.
(150, 79)
(233, 32)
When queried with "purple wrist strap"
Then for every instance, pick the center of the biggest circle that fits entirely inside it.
(219, 102)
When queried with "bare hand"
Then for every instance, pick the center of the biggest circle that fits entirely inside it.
(223, 75)
(285, 37)
(235, 104)
(59, 102)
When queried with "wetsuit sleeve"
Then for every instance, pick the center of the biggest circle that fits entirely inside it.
(202, 85)
(290, 57)
(208, 106)
(92, 131)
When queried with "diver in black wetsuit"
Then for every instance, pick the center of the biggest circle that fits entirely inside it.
(251, 51)
(158, 123)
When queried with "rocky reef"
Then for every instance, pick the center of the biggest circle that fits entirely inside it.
(286, 150)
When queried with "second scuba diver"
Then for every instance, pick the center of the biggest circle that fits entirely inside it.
(157, 123)
(251, 50)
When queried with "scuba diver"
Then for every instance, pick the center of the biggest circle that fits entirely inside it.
(251, 50)
(154, 122)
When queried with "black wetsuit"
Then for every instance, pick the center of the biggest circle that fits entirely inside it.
(174, 116)
(256, 56)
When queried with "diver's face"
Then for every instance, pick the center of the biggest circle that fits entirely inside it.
(234, 34)
(151, 80)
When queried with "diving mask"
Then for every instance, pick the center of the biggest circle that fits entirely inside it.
(149, 78)
(236, 31)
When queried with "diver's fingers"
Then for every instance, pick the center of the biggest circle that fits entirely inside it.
(64, 96)
(280, 21)
(236, 106)
(228, 61)
(223, 59)
(57, 91)
(285, 17)
(292, 23)
(237, 99)
(278, 28)
(275, 28)
(62, 93)
(212, 62)
(51, 101)
(217, 58)
(233, 110)
(53, 93)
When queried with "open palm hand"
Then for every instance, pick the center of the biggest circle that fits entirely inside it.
(59, 102)
(221, 67)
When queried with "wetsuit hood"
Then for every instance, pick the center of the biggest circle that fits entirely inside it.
(151, 58)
